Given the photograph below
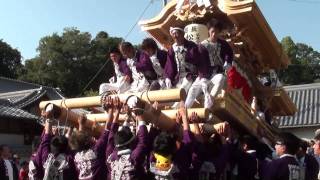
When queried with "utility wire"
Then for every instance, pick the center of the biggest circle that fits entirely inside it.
(141, 15)
(126, 36)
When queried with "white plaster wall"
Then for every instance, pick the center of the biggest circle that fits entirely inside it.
(11, 139)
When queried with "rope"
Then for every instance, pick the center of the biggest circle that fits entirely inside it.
(125, 37)
(94, 77)
(141, 15)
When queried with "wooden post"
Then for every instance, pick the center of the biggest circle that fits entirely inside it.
(170, 95)
(70, 118)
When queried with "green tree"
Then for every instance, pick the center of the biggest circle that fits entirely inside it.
(70, 60)
(10, 60)
(305, 62)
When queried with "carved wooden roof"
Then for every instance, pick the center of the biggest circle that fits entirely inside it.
(246, 29)
(254, 44)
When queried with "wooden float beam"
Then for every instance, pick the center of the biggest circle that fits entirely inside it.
(169, 95)
(202, 113)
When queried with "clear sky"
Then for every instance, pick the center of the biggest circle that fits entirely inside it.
(24, 22)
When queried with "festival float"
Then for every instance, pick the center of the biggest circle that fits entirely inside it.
(257, 55)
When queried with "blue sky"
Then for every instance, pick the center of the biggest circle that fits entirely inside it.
(24, 22)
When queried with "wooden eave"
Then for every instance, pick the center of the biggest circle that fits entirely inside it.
(281, 104)
(249, 20)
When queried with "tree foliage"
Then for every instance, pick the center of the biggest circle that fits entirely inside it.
(10, 60)
(70, 60)
(305, 63)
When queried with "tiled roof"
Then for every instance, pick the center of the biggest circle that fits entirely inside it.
(16, 95)
(15, 113)
(307, 100)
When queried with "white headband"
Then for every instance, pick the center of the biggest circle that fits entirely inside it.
(172, 29)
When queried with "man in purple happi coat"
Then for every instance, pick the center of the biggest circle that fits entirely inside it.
(57, 160)
(171, 158)
(140, 65)
(286, 167)
(122, 78)
(210, 156)
(246, 161)
(184, 63)
(90, 157)
(158, 58)
(219, 55)
(35, 164)
(125, 152)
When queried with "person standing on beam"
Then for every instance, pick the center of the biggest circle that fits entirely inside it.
(184, 62)
(220, 54)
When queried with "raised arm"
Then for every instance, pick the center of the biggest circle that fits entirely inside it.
(196, 131)
(101, 144)
(45, 141)
(116, 106)
(140, 150)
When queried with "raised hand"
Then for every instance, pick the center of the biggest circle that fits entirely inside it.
(178, 118)
(182, 110)
(117, 104)
(222, 128)
(156, 109)
(194, 118)
(82, 119)
(107, 103)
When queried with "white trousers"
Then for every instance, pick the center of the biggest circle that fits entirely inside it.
(198, 86)
(120, 86)
(139, 85)
(213, 86)
(217, 82)
(185, 84)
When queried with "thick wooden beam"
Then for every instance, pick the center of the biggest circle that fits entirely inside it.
(170, 95)
(230, 107)
(70, 117)
(167, 114)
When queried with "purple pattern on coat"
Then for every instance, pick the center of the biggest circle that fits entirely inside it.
(278, 169)
(219, 159)
(144, 65)
(98, 165)
(137, 156)
(193, 56)
(69, 173)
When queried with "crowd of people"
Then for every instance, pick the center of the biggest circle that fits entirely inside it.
(140, 150)
(147, 152)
